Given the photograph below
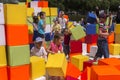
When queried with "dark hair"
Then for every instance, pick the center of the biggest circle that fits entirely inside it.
(41, 14)
(35, 19)
(57, 36)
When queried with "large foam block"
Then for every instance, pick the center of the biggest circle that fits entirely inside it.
(33, 4)
(111, 38)
(47, 11)
(30, 29)
(91, 29)
(15, 14)
(41, 78)
(78, 61)
(104, 73)
(3, 61)
(2, 35)
(117, 38)
(53, 11)
(114, 49)
(76, 46)
(48, 20)
(1, 14)
(31, 38)
(16, 35)
(52, 18)
(43, 4)
(56, 65)
(89, 46)
(37, 10)
(19, 72)
(91, 39)
(86, 74)
(30, 11)
(70, 69)
(48, 28)
(117, 29)
(37, 67)
(77, 33)
(3, 73)
(93, 51)
(70, 78)
(88, 64)
(18, 55)
(29, 20)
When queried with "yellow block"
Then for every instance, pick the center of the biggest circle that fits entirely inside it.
(69, 25)
(114, 49)
(117, 29)
(30, 11)
(37, 67)
(30, 28)
(47, 11)
(15, 14)
(3, 61)
(78, 61)
(53, 11)
(56, 65)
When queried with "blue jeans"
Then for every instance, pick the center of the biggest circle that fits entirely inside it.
(102, 48)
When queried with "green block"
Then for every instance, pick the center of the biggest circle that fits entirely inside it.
(51, 19)
(28, 0)
(97, 28)
(29, 19)
(47, 20)
(77, 33)
(18, 55)
(21, 3)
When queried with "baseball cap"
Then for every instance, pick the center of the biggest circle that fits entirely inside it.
(38, 39)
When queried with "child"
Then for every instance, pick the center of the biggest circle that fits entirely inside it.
(42, 24)
(56, 28)
(66, 48)
(56, 44)
(102, 39)
(38, 49)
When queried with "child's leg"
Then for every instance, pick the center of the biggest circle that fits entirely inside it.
(105, 49)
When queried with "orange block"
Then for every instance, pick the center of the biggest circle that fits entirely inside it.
(104, 73)
(89, 45)
(111, 38)
(3, 73)
(82, 40)
(43, 4)
(30, 38)
(73, 71)
(86, 74)
(66, 17)
(17, 35)
(19, 72)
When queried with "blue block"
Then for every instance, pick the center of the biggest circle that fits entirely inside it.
(48, 36)
(91, 29)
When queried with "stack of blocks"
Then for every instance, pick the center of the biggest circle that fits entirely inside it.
(117, 34)
(18, 53)
(114, 49)
(78, 61)
(3, 62)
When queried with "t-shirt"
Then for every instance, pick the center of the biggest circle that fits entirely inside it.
(55, 48)
(39, 52)
(67, 39)
(40, 27)
(62, 22)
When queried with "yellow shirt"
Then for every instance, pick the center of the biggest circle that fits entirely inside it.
(56, 28)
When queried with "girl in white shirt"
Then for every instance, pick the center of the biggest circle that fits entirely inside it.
(38, 49)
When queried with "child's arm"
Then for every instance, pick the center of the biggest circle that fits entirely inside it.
(49, 50)
(45, 54)
(103, 34)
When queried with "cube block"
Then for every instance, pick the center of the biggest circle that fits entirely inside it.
(91, 29)
(19, 72)
(114, 49)
(77, 33)
(3, 61)
(2, 35)
(15, 14)
(117, 38)
(89, 46)
(56, 65)
(3, 73)
(30, 11)
(78, 61)
(88, 64)
(104, 73)
(76, 46)
(117, 29)
(31, 38)
(18, 55)
(37, 67)
(47, 11)
(43, 4)
(111, 38)
(93, 51)
(30, 29)
(14, 35)
(1, 14)
(53, 11)
(91, 39)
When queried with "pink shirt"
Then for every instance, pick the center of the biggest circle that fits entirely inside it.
(55, 48)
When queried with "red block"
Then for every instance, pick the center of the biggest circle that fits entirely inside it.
(89, 39)
(76, 46)
(70, 78)
(43, 4)
(19, 72)
(87, 64)
(86, 74)
(30, 38)
(3, 73)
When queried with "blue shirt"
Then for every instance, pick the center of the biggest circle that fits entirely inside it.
(40, 27)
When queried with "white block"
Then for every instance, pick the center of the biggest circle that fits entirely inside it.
(37, 10)
(2, 35)
(48, 28)
(84, 48)
(93, 51)
(1, 14)
(33, 4)
(41, 78)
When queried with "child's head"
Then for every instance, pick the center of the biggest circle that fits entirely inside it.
(35, 19)
(38, 42)
(66, 31)
(42, 15)
(56, 21)
(103, 17)
(58, 39)
(61, 13)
